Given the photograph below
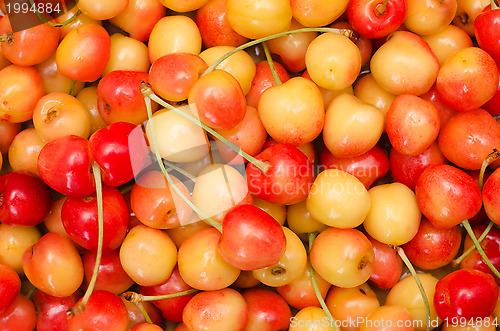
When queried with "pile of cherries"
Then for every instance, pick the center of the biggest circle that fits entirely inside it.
(249, 165)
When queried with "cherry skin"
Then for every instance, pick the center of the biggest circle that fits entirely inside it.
(26, 199)
(263, 80)
(20, 316)
(485, 23)
(10, 286)
(387, 266)
(267, 310)
(467, 294)
(493, 105)
(491, 201)
(251, 238)
(287, 179)
(51, 310)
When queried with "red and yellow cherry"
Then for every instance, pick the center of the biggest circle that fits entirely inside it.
(51, 310)
(267, 310)
(467, 79)
(338, 199)
(368, 90)
(445, 111)
(290, 266)
(118, 86)
(26, 199)
(364, 44)
(293, 112)
(136, 316)
(412, 124)
(180, 233)
(490, 197)
(20, 89)
(300, 220)
(278, 212)
(224, 309)
(174, 34)
(287, 178)
(447, 41)
(8, 131)
(314, 13)
(251, 238)
(466, 294)
(146, 326)
(254, 19)
(305, 319)
(84, 53)
(351, 305)
(171, 309)
(218, 100)
(103, 310)
(439, 188)
(376, 19)
(102, 11)
(387, 266)
(397, 316)
(88, 96)
(38, 36)
(468, 137)
(299, 293)
(264, 79)
(214, 25)
(201, 265)
(53, 265)
(343, 257)
(492, 105)
(110, 275)
(156, 204)
(14, 241)
(10, 286)
(53, 80)
(127, 54)
(69, 14)
(467, 12)
(352, 127)
(428, 17)
(392, 63)
(407, 169)
(173, 75)
(487, 22)
(139, 18)
(432, 248)
(21, 315)
(148, 255)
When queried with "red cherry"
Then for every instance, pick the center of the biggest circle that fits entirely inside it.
(20, 316)
(51, 310)
(486, 27)
(10, 286)
(267, 310)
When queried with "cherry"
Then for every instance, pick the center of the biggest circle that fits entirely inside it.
(387, 265)
(21, 315)
(10, 286)
(263, 80)
(485, 23)
(51, 310)
(267, 310)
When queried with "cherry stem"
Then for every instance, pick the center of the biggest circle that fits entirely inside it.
(381, 8)
(480, 250)
(410, 267)
(137, 298)
(312, 236)
(346, 32)
(159, 159)
(46, 21)
(72, 87)
(486, 162)
(494, 5)
(270, 61)
(172, 166)
(100, 221)
(147, 92)
(144, 312)
(8, 38)
(456, 262)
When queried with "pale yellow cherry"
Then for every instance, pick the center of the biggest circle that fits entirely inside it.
(292, 112)
(407, 294)
(183, 6)
(80, 20)
(333, 61)
(218, 188)
(314, 13)
(148, 255)
(200, 264)
(102, 11)
(351, 305)
(447, 41)
(171, 34)
(53, 80)
(290, 266)
(388, 317)
(14, 240)
(240, 64)
(24, 150)
(352, 127)
(343, 257)
(278, 212)
(393, 64)
(368, 90)
(88, 96)
(394, 215)
(59, 114)
(338, 199)
(311, 319)
(246, 280)
(425, 17)
(178, 138)
(127, 54)
(300, 220)
(489, 323)
(181, 233)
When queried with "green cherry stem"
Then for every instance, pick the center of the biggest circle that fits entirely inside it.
(456, 262)
(312, 236)
(346, 32)
(486, 162)
(46, 21)
(159, 159)
(270, 61)
(144, 312)
(480, 250)
(172, 166)
(147, 92)
(72, 87)
(381, 8)
(494, 5)
(136, 298)
(100, 221)
(410, 267)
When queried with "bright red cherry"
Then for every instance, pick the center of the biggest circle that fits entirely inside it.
(10, 286)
